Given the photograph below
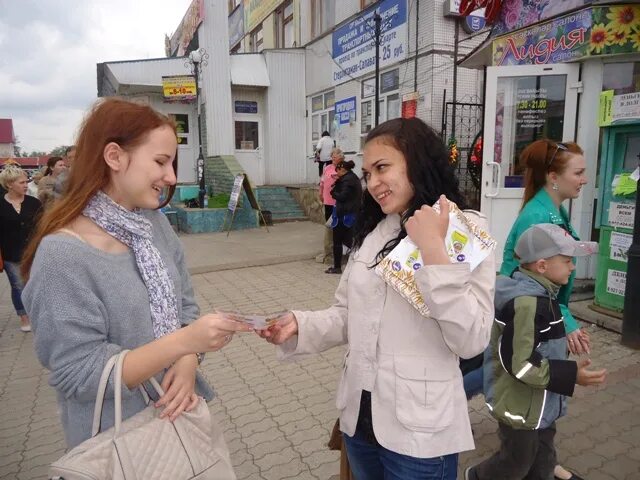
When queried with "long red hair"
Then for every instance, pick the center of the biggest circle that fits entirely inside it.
(536, 157)
(110, 120)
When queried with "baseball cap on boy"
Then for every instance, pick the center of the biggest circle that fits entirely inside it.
(546, 240)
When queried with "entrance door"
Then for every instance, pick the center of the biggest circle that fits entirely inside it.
(249, 141)
(187, 128)
(524, 104)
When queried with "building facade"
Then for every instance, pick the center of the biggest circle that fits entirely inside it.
(568, 71)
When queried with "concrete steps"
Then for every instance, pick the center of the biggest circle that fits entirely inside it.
(280, 203)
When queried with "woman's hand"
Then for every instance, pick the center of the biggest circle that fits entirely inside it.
(285, 328)
(211, 332)
(579, 342)
(179, 388)
(428, 229)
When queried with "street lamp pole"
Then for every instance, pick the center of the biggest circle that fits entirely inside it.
(377, 19)
(198, 59)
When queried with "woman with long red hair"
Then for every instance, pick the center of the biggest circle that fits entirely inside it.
(105, 272)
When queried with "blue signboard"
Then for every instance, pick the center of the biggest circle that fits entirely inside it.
(242, 106)
(346, 110)
(473, 23)
(353, 48)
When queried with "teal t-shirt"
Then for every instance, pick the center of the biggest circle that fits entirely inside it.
(541, 209)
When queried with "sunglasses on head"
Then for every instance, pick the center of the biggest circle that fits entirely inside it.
(559, 146)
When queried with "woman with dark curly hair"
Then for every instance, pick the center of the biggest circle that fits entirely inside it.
(403, 411)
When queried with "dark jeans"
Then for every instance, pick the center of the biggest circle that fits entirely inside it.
(15, 280)
(328, 210)
(371, 462)
(472, 382)
(341, 236)
(523, 455)
(321, 165)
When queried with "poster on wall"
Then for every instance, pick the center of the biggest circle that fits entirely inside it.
(618, 108)
(621, 214)
(616, 282)
(519, 14)
(236, 25)
(353, 48)
(346, 111)
(410, 104)
(187, 29)
(619, 246)
(255, 11)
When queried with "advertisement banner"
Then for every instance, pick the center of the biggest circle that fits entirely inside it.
(517, 14)
(187, 28)
(236, 25)
(255, 11)
(346, 110)
(595, 31)
(179, 88)
(353, 48)
(561, 40)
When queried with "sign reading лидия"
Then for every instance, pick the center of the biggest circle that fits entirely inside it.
(353, 43)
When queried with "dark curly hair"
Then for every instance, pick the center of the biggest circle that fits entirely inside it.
(428, 168)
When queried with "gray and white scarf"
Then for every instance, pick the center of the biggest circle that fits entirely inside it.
(134, 230)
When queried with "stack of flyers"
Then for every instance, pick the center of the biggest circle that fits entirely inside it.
(257, 322)
(465, 243)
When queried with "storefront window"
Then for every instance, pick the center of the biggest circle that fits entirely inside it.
(323, 116)
(621, 77)
(182, 127)
(527, 109)
(246, 135)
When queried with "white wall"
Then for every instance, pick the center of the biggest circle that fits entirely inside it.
(285, 131)
(6, 150)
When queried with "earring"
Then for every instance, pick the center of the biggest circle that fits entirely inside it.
(554, 185)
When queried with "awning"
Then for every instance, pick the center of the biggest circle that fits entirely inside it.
(249, 70)
(138, 76)
(479, 57)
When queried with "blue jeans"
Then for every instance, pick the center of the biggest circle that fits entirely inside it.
(15, 280)
(371, 462)
(472, 382)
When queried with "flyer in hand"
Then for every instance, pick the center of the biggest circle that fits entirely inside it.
(257, 322)
(465, 243)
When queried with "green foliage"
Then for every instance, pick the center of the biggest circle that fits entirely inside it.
(219, 201)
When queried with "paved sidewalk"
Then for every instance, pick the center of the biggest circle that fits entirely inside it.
(277, 416)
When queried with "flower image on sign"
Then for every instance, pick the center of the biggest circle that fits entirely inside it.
(354, 52)
(178, 88)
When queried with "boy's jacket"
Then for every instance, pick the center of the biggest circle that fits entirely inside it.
(526, 371)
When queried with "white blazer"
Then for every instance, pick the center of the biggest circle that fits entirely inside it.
(407, 361)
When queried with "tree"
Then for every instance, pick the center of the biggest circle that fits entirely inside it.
(17, 149)
(35, 153)
(59, 151)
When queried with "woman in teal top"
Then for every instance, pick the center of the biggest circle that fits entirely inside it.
(555, 172)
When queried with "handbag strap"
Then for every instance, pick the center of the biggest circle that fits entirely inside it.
(116, 362)
(102, 388)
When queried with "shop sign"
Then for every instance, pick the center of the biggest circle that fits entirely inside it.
(255, 11)
(452, 9)
(473, 23)
(186, 30)
(353, 48)
(616, 108)
(236, 25)
(619, 246)
(179, 88)
(616, 282)
(621, 214)
(242, 106)
(346, 110)
(558, 41)
(595, 31)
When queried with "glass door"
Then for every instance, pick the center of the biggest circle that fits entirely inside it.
(523, 104)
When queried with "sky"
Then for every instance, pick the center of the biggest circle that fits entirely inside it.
(48, 55)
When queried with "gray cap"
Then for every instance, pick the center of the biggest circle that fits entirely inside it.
(546, 240)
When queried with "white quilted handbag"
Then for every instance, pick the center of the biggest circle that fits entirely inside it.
(145, 446)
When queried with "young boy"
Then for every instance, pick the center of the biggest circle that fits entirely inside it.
(527, 374)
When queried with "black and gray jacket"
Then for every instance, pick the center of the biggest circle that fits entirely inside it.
(526, 371)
